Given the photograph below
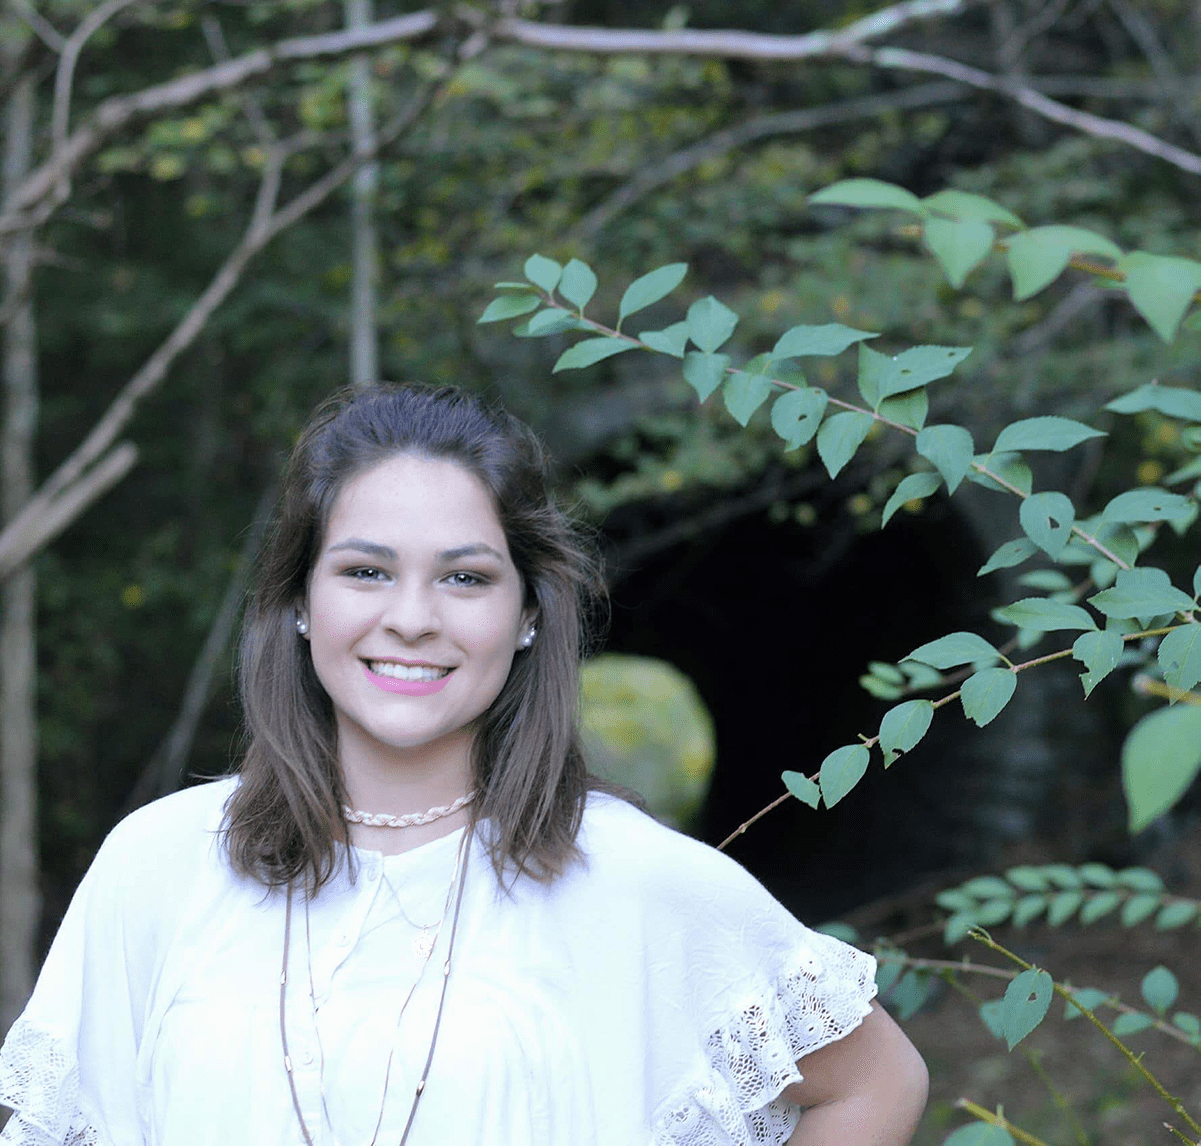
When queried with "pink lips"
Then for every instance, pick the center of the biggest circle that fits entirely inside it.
(406, 687)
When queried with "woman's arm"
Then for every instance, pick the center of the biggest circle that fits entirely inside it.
(867, 1089)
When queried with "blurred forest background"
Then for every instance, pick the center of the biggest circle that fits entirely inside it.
(217, 212)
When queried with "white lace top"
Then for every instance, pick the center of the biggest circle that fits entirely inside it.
(658, 995)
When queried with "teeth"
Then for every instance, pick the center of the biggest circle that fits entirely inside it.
(407, 672)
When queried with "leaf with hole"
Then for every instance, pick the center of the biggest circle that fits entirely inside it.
(577, 284)
(796, 415)
(1025, 1005)
(1172, 401)
(705, 372)
(955, 649)
(822, 341)
(903, 727)
(1141, 593)
(509, 306)
(1137, 505)
(950, 450)
(867, 193)
(710, 323)
(840, 436)
(1045, 616)
(985, 693)
(1160, 760)
(649, 289)
(1161, 287)
(744, 394)
(802, 788)
(1046, 433)
(670, 340)
(841, 771)
(1037, 257)
(911, 488)
(918, 366)
(958, 245)
(589, 352)
(1008, 555)
(1099, 652)
(1047, 519)
(1180, 656)
(543, 272)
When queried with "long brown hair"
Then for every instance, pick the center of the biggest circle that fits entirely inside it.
(284, 820)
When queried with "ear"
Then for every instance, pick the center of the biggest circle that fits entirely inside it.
(302, 620)
(529, 623)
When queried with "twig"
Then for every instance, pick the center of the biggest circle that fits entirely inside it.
(214, 37)
(41, 27)
(983, 1115)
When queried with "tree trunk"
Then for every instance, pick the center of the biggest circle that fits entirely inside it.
(364, 336)
(20, 904)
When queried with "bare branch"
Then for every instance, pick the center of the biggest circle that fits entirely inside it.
(65, 494)
(41, 27)
(214, 37)
(659, 172)
(1098, 126)
(728, 44)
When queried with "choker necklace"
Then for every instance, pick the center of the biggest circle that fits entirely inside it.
(460, 877)
(383, 820)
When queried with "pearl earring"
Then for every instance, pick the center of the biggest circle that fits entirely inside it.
(302, 626)
(528, 639)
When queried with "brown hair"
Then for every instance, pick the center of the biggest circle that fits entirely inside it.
(283, 821)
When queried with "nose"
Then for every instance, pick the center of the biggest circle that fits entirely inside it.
(411, 612)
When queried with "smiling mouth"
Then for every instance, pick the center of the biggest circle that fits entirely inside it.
(407, 672)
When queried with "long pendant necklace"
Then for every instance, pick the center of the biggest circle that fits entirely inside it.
(460, 878)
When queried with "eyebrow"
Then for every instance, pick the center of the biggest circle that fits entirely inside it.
(387, 553)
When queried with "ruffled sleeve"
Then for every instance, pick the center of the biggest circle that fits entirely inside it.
(69, 1065)
(739, 990)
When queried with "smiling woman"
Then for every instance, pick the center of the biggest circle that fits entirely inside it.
(413, 916)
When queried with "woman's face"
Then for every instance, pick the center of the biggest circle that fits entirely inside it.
(414, 606)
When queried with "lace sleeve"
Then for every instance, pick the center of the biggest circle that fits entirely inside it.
(39, 1079)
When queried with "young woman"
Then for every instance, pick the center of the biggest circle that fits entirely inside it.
(412, 917)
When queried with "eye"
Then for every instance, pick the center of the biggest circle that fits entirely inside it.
(464, 580)
(364, 573)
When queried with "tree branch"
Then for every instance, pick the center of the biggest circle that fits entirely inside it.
(41, 27)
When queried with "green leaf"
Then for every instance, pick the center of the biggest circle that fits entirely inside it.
(509, 306)
(1160, 760)
(1160, 989)
(650, 288)
(993, 912)
(955, 649)
(911, 992)
(954, 899)
(1025, 1005)
(1149, 504)
(1047, 519)
(550, 321)
(1175, 915)
(906, 409)
(979, 1134)
(744, 394)
(1099, 906)
(577, 283)
(918, 366)
(1028, 878)
(710, 323)
(888, 672)
(1011, 553)
(802, 788)
(1038, 256)
(913, 487)
(1144, 592)
(1047, 433)
(1140, 879)
(1100, 653)
(986, 692)
(1048, 580)
(1190, 1024)
(1098, 874)
(543, 272)
(888, 971)
(965, 205)
(841, 771)
(1063, 875)
(1027, 908)
(867, 193)
(705, 372)
(838, 930)
(903, 726)
(1045, 616)
(818, 341)
(840, 436)
(958, 245)
(590, 351)
(1180, 657)
(1161, 287)
(1062, 906)
(1137, 908)
(670, 340)
(950, 449)
(796, 415)
(1088, 997)
(872, 367)
(990, 1016)
(1008, 467)
(1171, 401)
(1131, 1024)
(986, 887)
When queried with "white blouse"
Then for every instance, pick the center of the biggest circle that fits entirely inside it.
(657, 995)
